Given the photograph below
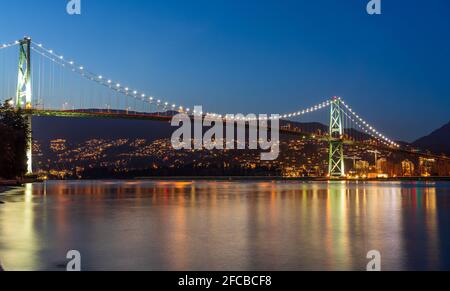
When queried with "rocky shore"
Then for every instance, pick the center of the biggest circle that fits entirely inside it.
(4, 188)
(8, 184)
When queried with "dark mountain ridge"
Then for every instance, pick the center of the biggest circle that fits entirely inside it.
(438, 141)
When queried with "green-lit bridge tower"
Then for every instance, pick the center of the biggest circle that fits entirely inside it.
(24, 91)
(336, 159)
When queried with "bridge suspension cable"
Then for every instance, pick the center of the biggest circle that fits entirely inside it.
(106, 82)
(7, 45)
(137, 94)
(364, 130)
(53, 83)
(368, 128)
(352, 120)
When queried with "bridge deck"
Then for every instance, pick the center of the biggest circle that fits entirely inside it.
(112, 114)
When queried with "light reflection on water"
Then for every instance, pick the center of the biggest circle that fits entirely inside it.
(207, 225)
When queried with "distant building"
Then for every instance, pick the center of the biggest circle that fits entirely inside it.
(58, 145)
(362, 168)
(407, 168)
(382, 166)
(426, 166)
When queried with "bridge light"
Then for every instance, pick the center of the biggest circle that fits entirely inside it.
(135, 92)
(126, 89)
(100, 77)
(117, 85)
(71, 62)
(143, 95)
(109, 81)
(81, 68)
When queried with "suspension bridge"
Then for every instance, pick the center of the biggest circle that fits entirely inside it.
(46, 83)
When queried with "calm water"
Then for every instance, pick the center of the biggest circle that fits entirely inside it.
(208, 225)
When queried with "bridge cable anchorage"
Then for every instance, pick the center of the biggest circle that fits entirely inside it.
(117, 87)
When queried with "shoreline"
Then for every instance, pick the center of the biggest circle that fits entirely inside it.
(264, 178)
(4, 188)
(304, 179)
(6, 185)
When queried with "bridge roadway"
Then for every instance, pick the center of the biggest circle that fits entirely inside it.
(121, 114)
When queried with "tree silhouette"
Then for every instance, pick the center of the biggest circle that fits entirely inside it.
(14, 133)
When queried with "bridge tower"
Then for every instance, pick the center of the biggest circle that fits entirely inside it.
(24, 91)
(336, 158)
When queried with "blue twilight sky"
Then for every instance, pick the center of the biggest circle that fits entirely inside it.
(261, 56)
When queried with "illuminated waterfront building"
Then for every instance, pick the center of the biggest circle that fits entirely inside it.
(407, 168)
(426, 166)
